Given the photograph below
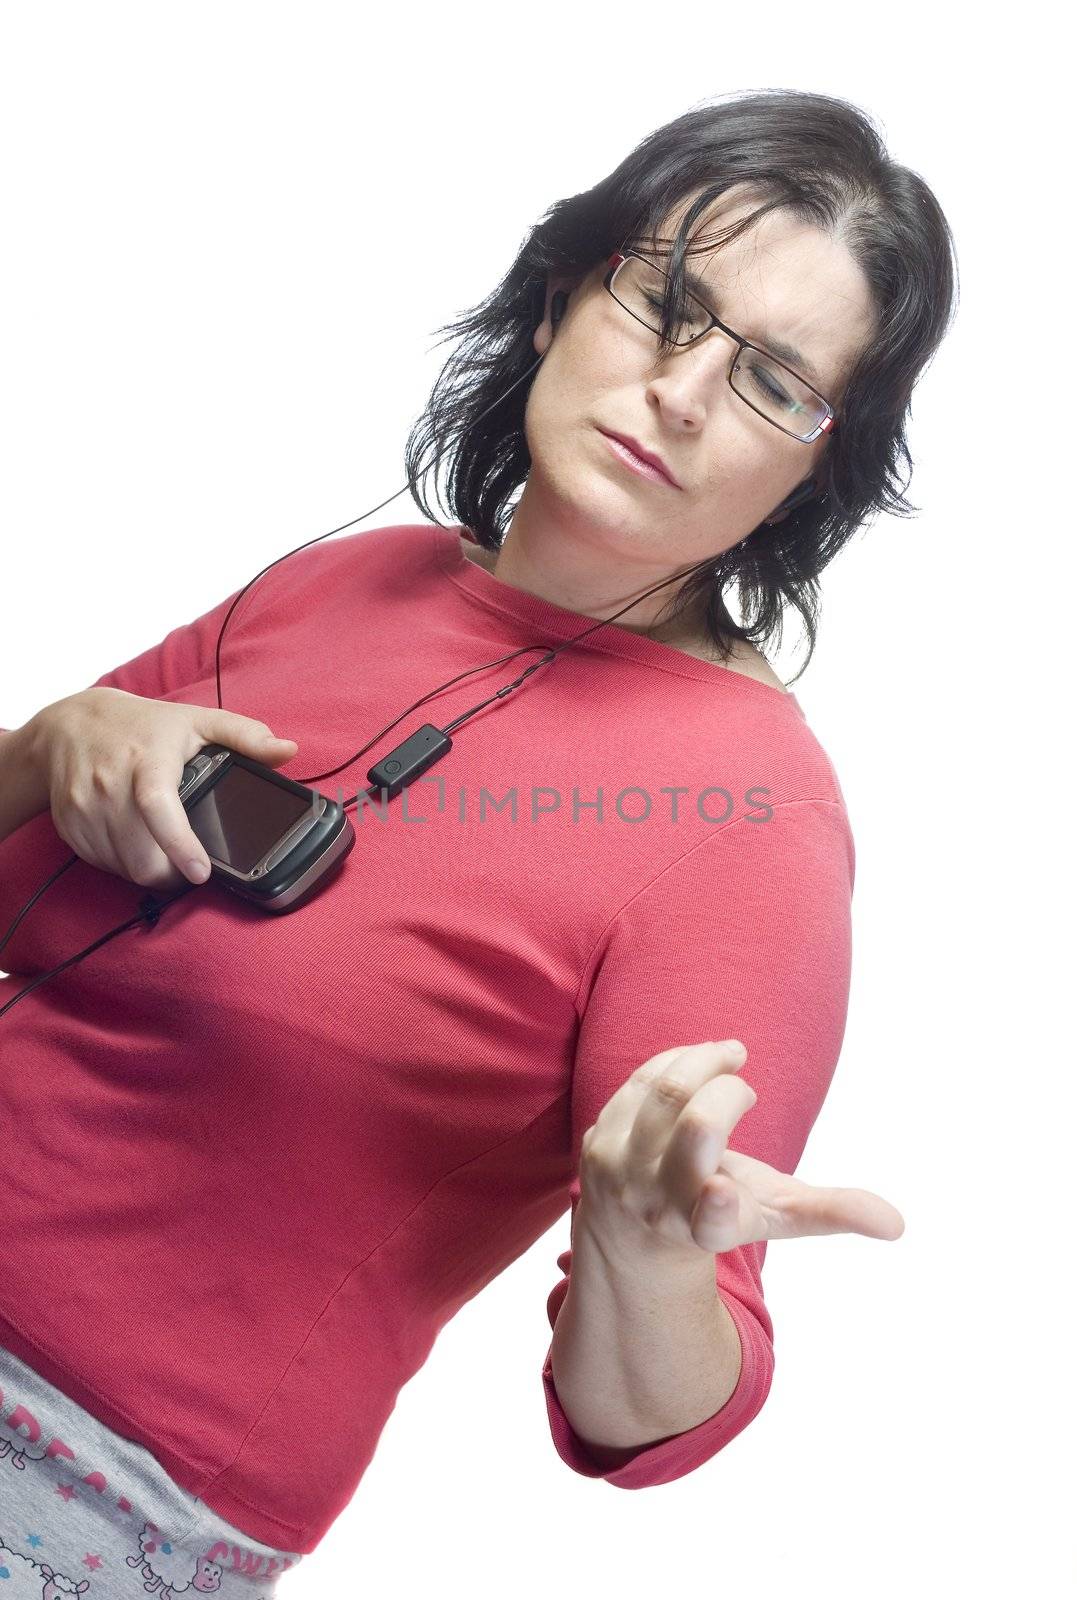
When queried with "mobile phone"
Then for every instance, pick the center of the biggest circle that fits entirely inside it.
(270, 840)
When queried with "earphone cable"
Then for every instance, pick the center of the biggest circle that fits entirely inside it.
(150, 906)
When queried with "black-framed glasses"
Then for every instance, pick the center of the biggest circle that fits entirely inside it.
(763, 382)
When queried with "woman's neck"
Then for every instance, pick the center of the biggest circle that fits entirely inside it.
(685, 632)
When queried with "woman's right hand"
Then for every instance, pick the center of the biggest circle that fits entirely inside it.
(112, 764)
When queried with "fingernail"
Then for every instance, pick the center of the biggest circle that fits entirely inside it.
(734, 1047)
(197, 870)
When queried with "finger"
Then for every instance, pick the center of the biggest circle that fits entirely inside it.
(620, 1109)
(135, 855)
(156, 807)
(698, 1141)
(807, 1209)
(245, 735)
(716, 1222)
(79, 819)
(792, 1207)
(663, 1088)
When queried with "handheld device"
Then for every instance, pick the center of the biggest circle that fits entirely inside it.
(269, 839)
(273, 841)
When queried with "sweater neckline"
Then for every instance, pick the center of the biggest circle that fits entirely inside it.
(553, 619)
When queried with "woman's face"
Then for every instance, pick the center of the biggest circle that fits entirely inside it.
(782, 278)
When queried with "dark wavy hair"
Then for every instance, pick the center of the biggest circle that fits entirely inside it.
(821, 160)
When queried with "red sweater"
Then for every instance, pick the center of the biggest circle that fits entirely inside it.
(255, 1163)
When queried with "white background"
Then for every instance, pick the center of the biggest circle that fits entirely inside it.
(230, 233)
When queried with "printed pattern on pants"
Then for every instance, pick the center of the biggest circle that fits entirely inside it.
(74, 1522)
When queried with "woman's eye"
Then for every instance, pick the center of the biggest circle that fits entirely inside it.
(693, 316)
(772, 390)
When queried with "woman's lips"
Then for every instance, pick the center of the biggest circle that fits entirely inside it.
(637, 464)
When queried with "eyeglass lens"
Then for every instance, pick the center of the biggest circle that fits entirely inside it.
(771, 389)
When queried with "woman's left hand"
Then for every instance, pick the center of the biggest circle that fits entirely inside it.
(656, 1172)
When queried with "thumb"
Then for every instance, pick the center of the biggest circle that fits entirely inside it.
(248, 736)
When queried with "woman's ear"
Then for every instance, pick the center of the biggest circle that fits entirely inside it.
(558, 291)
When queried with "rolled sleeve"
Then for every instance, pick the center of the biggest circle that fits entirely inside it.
(747, 936)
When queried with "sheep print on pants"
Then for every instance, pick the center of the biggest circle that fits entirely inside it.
(84, 1511)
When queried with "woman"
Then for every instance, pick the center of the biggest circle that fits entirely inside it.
(264, 1160)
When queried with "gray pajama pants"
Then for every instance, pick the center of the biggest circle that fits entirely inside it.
(110, 1523)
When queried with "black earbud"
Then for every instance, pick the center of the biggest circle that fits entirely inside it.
(796, 497)
(557, 308)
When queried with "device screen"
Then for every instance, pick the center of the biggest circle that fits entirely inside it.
(243, 816)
